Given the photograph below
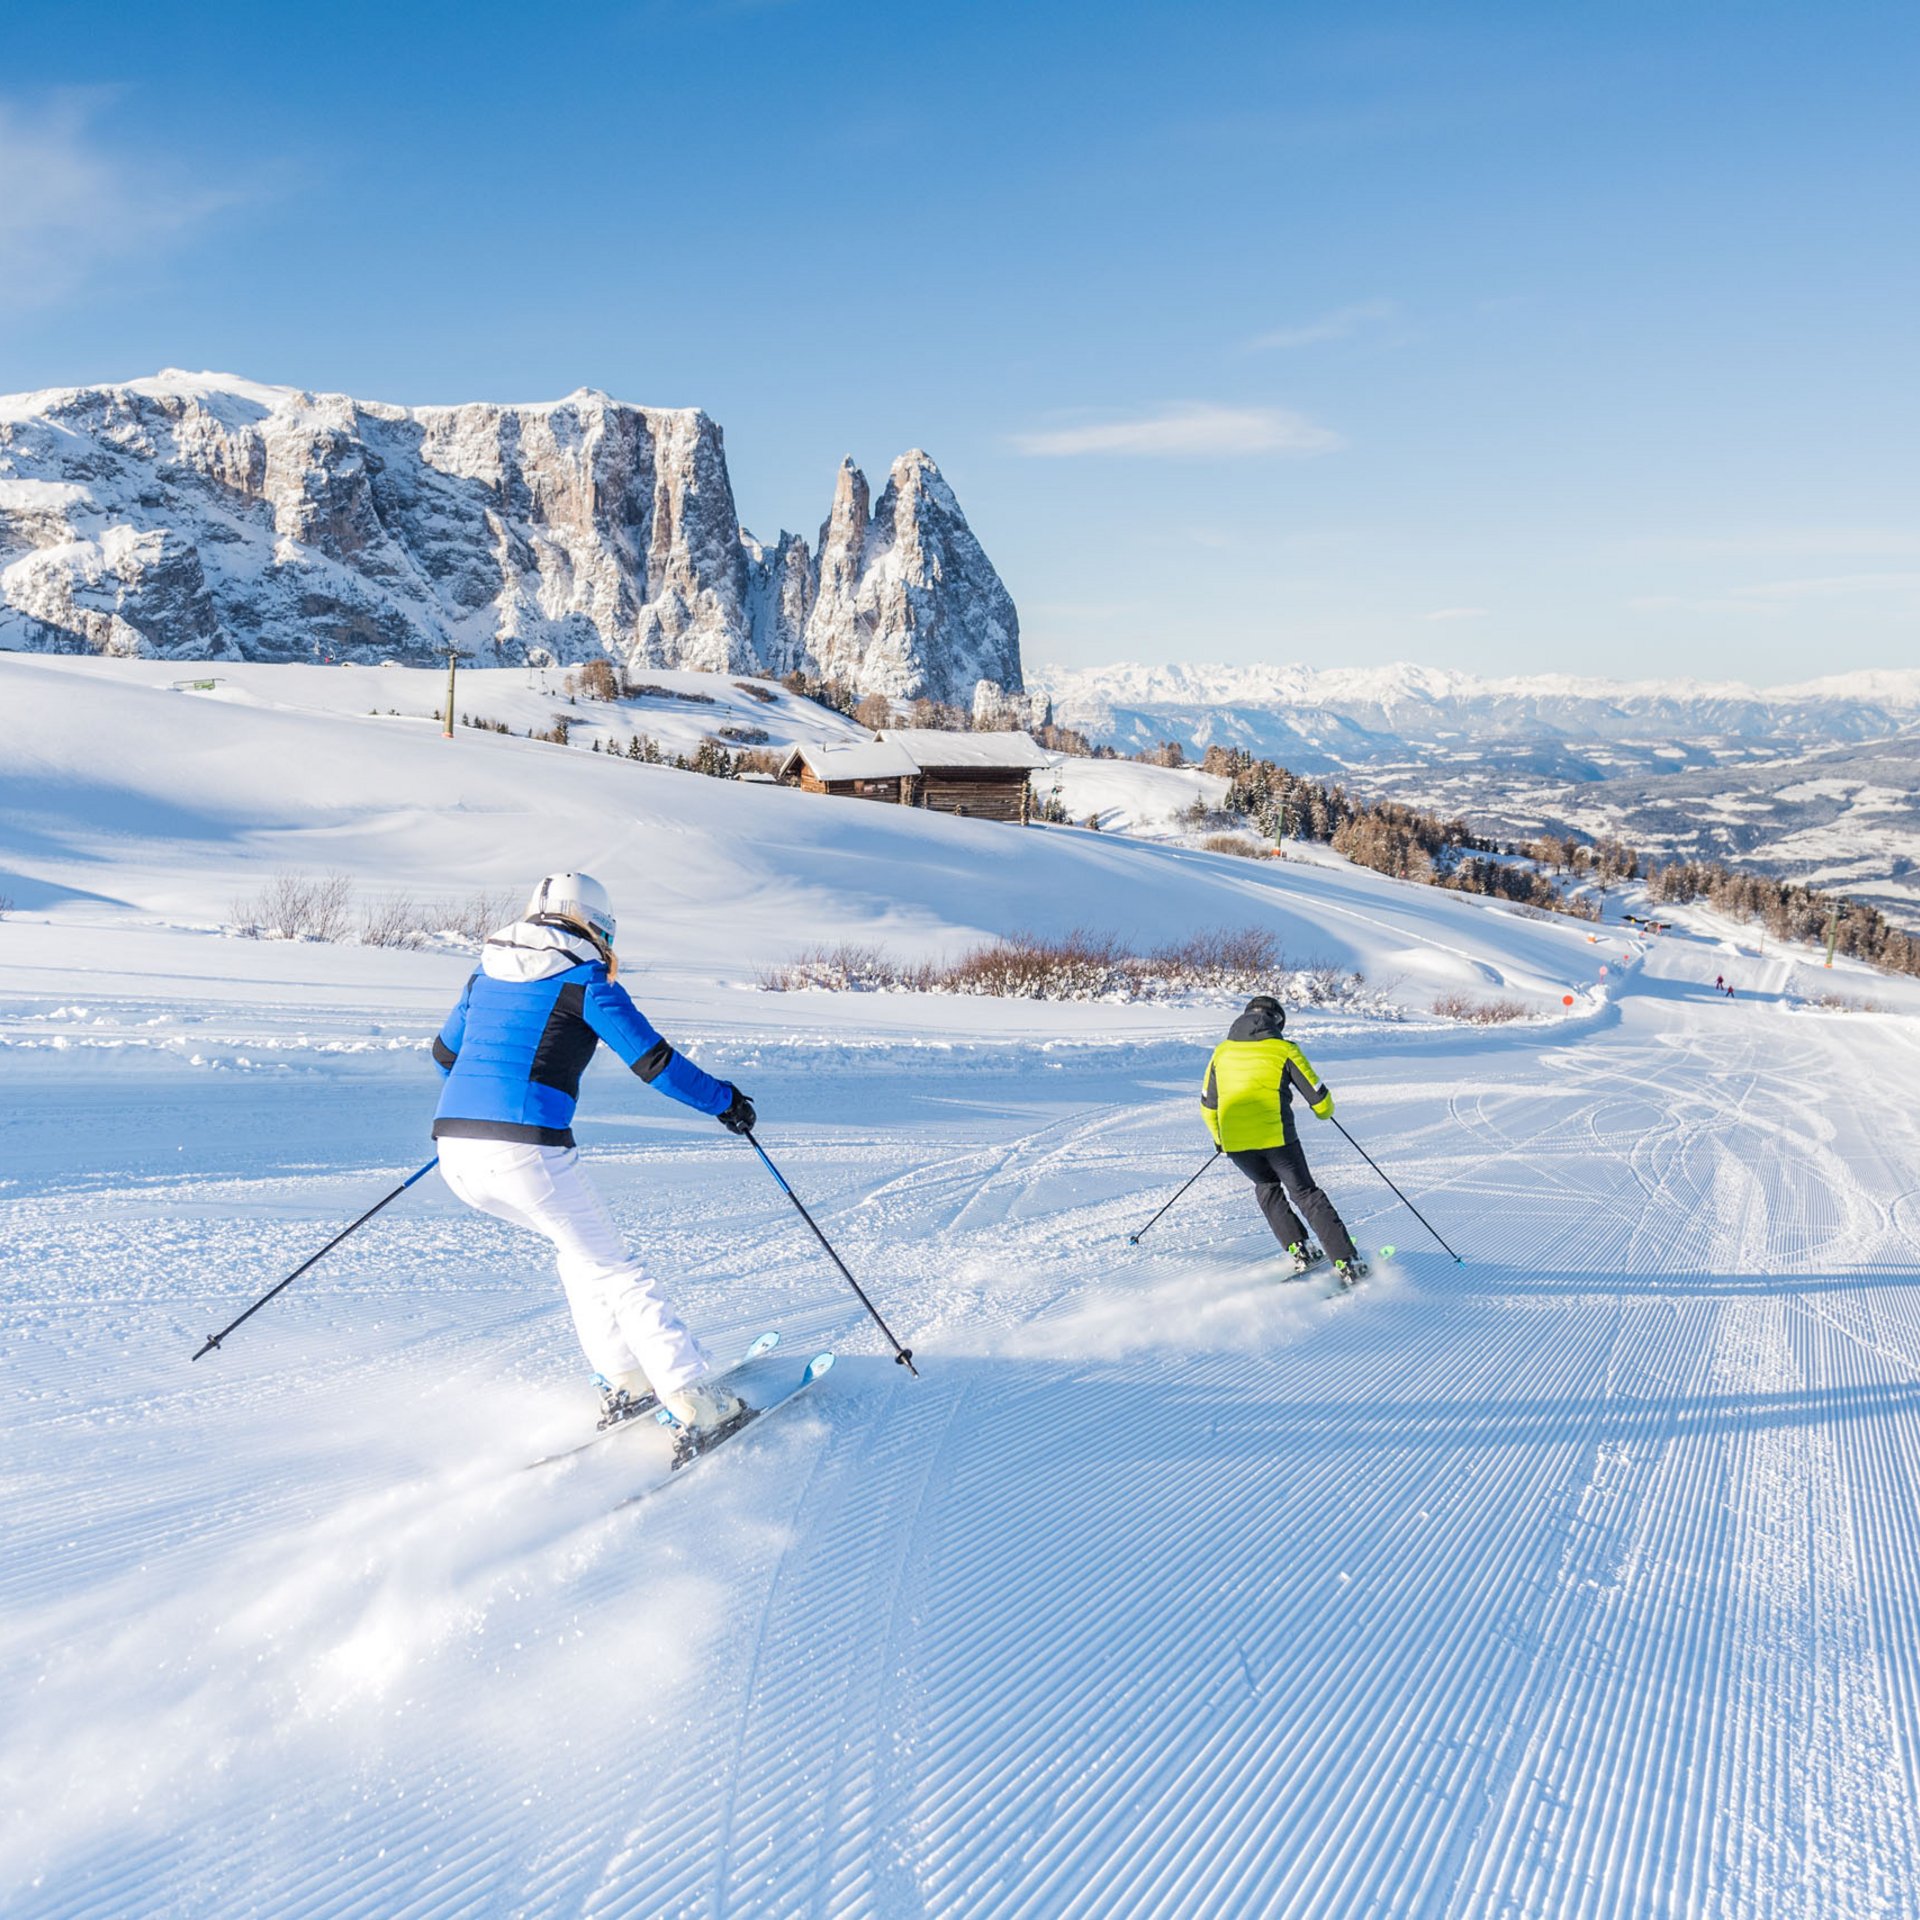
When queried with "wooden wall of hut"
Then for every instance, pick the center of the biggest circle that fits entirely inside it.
(981, 793)
(888, 789)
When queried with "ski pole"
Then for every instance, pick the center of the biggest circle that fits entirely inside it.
(1458, 1260)
(214, 1339)
(902, 1354)
(1134, 1239)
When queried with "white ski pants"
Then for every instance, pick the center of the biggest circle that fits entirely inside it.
(623, 1320)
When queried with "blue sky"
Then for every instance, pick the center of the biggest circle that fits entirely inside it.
(1508, 338)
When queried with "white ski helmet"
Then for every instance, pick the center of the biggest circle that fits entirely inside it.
(577, 898)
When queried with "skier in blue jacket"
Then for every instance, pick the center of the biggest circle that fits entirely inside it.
(512, 1051)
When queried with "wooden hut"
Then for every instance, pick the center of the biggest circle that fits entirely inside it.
(986, 776)
(854, 769)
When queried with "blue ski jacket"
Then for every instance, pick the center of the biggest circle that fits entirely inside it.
(513, 1049)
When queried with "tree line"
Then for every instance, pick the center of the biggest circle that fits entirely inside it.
(1790, 911)
(1414, 843)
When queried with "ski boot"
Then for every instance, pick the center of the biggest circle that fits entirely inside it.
(625, 1397)
(1348, 1271)
(1304, 1259)
(706, 1412)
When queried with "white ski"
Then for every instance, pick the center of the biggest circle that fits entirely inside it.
(690, 1446)
(648, 1404)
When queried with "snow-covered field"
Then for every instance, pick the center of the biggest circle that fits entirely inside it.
(1579, 1579)
(1125, 796)
(679, 711)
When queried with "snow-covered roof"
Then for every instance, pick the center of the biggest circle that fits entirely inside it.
(932, 748)
(854, 760)
(901, 751)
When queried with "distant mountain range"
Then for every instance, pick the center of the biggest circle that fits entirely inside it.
(1817, 781)
(1329, 720)
(201, 516)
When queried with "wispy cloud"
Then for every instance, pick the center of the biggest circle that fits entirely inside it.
(1896, 592)
(1689, 603)
(1794, 542)
(1340, 324)
(1456, 613)
(1198, 431)
(1832, 586)
(70, 205)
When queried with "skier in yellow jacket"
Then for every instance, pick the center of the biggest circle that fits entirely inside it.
(1247, 1102)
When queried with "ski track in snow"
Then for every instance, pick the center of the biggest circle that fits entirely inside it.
(1580, 1580)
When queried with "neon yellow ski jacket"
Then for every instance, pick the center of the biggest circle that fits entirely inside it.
(1246, 1097)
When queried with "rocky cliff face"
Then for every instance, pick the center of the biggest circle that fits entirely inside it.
(200, 517)
(910, 587)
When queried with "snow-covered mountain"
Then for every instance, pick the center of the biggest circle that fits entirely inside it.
(200, 516)
(1815, 781)
(1327, 720)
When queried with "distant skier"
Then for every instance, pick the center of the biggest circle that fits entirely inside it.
(1247, 1102)
(1719, 983)
(512, 1051)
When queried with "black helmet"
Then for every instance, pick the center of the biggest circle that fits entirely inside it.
(1269, 1010)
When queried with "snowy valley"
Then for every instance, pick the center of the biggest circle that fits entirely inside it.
(1817, 782)
(1576, 1579)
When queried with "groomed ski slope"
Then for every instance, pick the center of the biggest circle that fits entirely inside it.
(1580, 1579)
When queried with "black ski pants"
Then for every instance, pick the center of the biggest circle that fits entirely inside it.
(1282, 1182)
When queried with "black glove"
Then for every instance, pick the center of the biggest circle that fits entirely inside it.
(739, 1116)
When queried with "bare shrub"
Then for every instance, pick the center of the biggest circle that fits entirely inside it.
(767, 760)
(1232, 959)
(392, 920)
(844, 968)
(1478, 1013)
(1246, 950)
(1082, 966)
(479, 914)
(471, 919)
(1320, 983)
(765, 695)
(743, 736)
(6, 905)
(874, 712)
(1828, 1002)
(653, 690)
(329, 905)
(298, 906)
(1234, 843)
